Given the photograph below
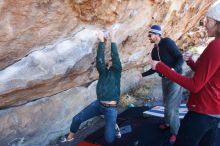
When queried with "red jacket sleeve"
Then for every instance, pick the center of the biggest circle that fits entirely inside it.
(206, 66)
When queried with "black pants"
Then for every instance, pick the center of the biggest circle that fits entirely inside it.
(197, 130)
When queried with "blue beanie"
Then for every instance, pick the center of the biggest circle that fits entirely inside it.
(156, 29)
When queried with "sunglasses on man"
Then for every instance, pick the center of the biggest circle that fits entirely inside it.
(149, 35)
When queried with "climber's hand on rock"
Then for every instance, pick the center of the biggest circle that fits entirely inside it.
(100, 36)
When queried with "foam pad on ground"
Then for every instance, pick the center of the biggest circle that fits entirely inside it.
(158, 111)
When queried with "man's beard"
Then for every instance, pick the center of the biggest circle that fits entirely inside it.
(151, 41)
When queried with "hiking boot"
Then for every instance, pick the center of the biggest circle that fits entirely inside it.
(117, 131)
(172, 139)
(164, 126)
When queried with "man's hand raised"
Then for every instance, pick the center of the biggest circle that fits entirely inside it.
(100, 36)
(112, 36)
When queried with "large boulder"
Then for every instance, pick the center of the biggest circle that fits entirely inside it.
(48, 50)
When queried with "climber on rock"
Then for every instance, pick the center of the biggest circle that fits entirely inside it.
(107, 90)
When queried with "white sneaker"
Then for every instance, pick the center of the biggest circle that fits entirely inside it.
(117, 131)
(65, 139)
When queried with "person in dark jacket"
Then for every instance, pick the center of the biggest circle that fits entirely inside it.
(200, 125)
(108, 93)
(166, 50)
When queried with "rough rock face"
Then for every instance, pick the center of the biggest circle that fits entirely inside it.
(45, 45)
(48, 48)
